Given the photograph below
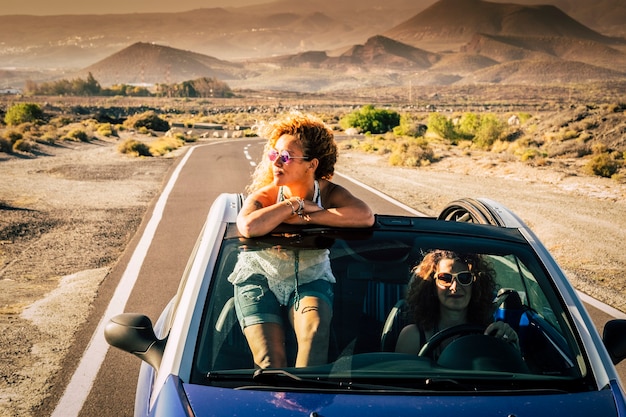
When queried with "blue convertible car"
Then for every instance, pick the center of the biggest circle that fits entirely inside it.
(197, 361)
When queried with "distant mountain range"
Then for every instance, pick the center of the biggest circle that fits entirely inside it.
(348, 45)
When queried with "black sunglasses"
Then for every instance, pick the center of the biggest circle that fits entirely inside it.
(445, 279)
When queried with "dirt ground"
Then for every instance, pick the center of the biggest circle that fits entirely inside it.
(67, 214)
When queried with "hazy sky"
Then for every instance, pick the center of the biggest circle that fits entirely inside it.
(49, 7)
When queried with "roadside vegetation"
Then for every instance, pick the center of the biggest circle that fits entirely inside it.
(201, 87)
(593, 136)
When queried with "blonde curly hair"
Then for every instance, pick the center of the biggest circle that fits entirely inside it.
(316, 139)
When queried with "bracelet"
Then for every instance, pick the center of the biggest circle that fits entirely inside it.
(288, 204)
(300, 206)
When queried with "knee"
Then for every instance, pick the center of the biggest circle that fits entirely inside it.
(313, 329)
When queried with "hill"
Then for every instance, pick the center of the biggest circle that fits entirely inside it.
(448, 24)
(147, 63)
(449, 42)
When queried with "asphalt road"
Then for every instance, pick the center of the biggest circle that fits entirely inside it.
(211, 169)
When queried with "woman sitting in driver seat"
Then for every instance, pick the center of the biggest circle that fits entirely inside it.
(449, 289)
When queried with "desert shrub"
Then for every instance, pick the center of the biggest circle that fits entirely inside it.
(27, 128)
(77, 135)
(22, 113)
(60, 121)
(441, 126)
(5, 145)
(500, 146)
(147, 121)
(23, 145)
(490, 130)
(12, 136)
(134, 147)
(370, 119)
(524, 117)
(568, 134)
(409, 127)
(48, 137)
(531, 154)
(599, 148)
(165, 145)
(412, 153)
(603, 165)
(468, 125)
(105, 129)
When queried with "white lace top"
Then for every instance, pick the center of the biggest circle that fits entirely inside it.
(285, 269)
(279, 267)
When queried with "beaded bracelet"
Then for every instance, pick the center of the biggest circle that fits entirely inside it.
(290, 205)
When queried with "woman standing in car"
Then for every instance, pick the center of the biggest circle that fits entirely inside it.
(292, 185)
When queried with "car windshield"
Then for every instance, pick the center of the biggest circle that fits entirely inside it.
(372, 268)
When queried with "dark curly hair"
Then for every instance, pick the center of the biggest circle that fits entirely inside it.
(422, 297)
(316, 138)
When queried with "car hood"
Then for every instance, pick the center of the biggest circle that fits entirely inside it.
(204, 401)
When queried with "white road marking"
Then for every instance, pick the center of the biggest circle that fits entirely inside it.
(247, 154)
(82, 381)
(613, 312)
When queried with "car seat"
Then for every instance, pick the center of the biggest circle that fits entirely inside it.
(397, 318)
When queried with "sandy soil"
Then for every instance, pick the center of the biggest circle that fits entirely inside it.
(66, 216)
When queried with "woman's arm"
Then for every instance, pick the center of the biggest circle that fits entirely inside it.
(260, 215)
(409, 340)
(344, 210)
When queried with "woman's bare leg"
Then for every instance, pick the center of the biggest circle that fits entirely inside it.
(311, 324)
(267, 343)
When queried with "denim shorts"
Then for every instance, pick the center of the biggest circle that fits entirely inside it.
(255, 303)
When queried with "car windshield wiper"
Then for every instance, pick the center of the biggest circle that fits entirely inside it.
(286, 379)
(255, 379)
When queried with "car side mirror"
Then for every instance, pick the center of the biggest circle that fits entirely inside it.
(134, 333)
(614, 337)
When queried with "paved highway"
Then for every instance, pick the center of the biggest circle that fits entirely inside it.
(96, 380)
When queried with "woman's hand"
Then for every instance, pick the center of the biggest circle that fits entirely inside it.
(309, 208)
(503, 331)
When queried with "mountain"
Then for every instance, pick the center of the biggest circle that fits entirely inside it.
(271, 29)
(378, 52)
(295, 46)
(147, 63)
(448, 24)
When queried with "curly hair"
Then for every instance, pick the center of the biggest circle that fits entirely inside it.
(316, 138)
(422, 297)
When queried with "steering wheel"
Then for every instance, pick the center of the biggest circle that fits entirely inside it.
(438, 338)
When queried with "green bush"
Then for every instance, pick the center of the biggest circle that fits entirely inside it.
(442, 126)
(372, 120)
(409, 127)
(490, 130)
(22, 113)
(469, 125)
